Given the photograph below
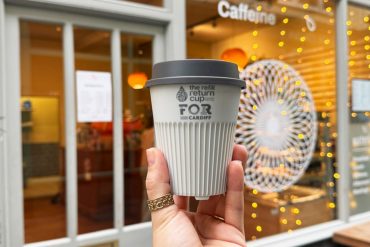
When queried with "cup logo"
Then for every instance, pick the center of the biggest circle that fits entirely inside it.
(181, 95)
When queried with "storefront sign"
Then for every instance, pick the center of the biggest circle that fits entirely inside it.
(244, 13)
(94, 96)
(360, 95)
(360, 165)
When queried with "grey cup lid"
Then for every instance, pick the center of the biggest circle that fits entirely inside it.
(195, 71)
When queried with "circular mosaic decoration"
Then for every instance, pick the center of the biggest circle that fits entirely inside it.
(277, 125)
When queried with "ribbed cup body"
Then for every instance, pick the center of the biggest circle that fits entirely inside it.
(194, 128)
(197, 154)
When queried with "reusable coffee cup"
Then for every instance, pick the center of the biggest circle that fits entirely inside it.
(195, 107)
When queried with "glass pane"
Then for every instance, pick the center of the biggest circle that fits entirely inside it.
(137, 123)
(302, 35)
(158, 3)
(43, 140)
(94, 130)
(359, 84)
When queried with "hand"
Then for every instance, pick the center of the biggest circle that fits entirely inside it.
(175, 226)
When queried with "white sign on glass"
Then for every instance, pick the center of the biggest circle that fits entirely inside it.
(94, 96)
(360, 95)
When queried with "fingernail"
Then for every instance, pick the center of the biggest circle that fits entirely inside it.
(150, 155)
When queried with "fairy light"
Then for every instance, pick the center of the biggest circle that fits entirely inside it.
(298, 222)
(254, 107)
(254, 215)
(295, 211)
(254, 205)
(349, 23)
(255, 46)
(284, 221)
(328, 9)
(254, 237)
(367, 38)
(255, 33)
(327, 41)
(366, 19)
(305, 6)
(349, 32)
(368, 57)
(297, 83)
(285, 20)
(351, 63)
(259, 228)
(353, 42)
(282, 209)
(353, 53)
(331, 205)
(336, 175)
(255, 192)
(300, 136)
(367, 47)
(283, 9)
(299, 49)
(331, 20)
(282, 32)
(281, 43)
(354, 114)
(303, 29)
(329, 155)
(302, 38)
(259, 8)
(253, 57)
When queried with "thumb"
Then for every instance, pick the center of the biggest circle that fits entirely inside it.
(158, 185)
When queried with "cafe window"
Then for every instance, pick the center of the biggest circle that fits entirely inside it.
(301, 35)
(358, 33)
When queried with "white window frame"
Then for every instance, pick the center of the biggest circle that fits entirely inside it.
(172, 18)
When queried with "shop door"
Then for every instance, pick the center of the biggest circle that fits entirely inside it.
(81, 122)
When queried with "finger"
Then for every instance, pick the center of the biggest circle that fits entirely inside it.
(240, 153)
(182, 202)
(158, 185)
(234, 201)
(208, 207)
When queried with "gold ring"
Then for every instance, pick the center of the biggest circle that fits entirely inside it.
(161, 202)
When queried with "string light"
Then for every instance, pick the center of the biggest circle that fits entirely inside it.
(349, 32)
(255, 46)
(285, 20)
(353, 53)
(331, 20)
(327, 41)
(299, 49)
(366, 19)
(353, 43)
(254, 205)
(367, 38)
(331, 205)
(284, 221)
(282, 32)
(283, 9)
(367, 47)
(328, 9)
(259, 8)
(305, 5)
(302, 38)
(254, 215)
(259, 228)
(282, 209)
(336, 175)
(281, 43)
(255, 33)
(349, 23)
(303, 29)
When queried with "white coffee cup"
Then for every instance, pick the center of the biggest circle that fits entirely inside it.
(195, 107)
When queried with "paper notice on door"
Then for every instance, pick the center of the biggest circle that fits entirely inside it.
(94, 96)
(360, 95)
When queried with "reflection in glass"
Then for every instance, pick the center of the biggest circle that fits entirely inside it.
(358, 33)
(43, 140)
(158, 3)
(138, 132)
(94, 138)
(302, 36)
